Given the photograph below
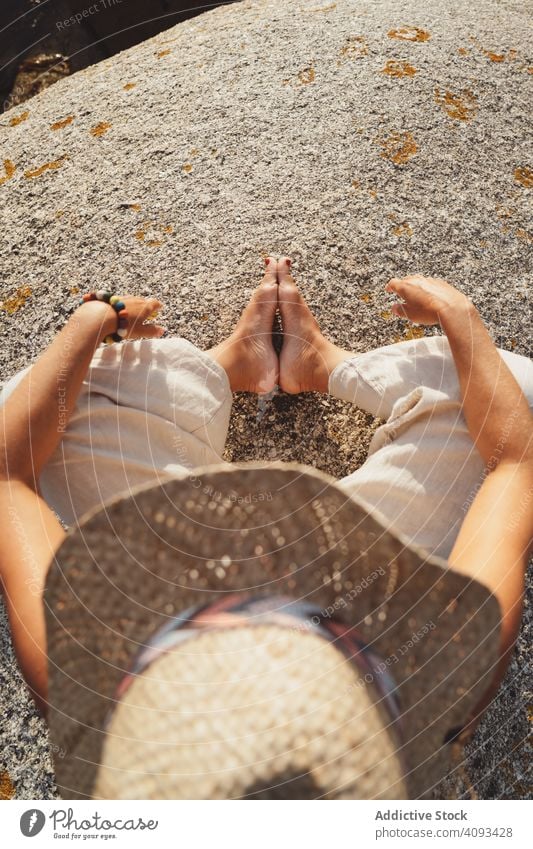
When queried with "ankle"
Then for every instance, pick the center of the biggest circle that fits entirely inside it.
(330, 356)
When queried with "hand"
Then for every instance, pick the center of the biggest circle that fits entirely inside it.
(140, 310)
(427, 300)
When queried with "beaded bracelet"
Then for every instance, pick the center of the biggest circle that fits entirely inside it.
(119, 307)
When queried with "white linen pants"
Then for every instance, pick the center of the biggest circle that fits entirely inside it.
(149, 409)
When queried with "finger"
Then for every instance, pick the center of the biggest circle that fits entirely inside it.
(402, 311)
(271, 272)
(148, 331)
(391, 285)
(153, 304)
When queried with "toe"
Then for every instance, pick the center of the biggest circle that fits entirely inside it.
(284, 271)
(271, 275)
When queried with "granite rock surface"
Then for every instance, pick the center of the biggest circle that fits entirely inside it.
(366, 140)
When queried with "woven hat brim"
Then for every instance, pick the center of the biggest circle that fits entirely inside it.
(283, 529)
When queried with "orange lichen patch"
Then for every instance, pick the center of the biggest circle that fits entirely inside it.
(100, 129)
(504, 211)
(460, 107)
(194, 152)
(463, 51)
(522, 175)
(356, 184)
(307, 76)
(398, 148)
(412, 332)
(19, 119)
(163, 53)
(395, 68)
(524, 235)
(60, 125)
(187, 168)
(7, 788)
(60, 213)
(48, 166)
(74, 290)
(148, 228)
(135, 206)
(12, 304)
(366, 298)
(355, 48)
(9, 169)
(129, 86)
(409, 34)
(387, 315)
(373, 193)
(403, 229)
(510, 55)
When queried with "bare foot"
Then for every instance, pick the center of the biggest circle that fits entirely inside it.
(307, 358)
(248, 356)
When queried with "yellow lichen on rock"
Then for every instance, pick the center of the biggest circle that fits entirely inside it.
(403, 229)
(7, 788)
(355, 48)
(9, 169)
(524, 176)
(19, 119)
(100, 129)
(307, 76)
(14, 302)
(460, 107)
(409, 34)
(48, 166)
(398, 148)
(60, 125)
(397, 68)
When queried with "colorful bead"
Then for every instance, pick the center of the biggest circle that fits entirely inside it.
(120, 308)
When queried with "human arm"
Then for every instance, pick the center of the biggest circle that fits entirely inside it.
(32, 422)
(495, 537)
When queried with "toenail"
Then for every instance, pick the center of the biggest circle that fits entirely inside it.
(288, 261)
(267, 260)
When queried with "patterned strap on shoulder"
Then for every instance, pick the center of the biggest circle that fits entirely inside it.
(238, 610)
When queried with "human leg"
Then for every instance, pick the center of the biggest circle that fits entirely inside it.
(423, 470)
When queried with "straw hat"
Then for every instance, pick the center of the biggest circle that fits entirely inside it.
(266, 707)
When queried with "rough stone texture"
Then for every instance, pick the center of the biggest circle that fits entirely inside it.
(271, 127)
